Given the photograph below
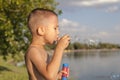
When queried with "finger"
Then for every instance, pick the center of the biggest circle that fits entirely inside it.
(68, 73)
(64, 72)
(69, 39)
(66, 36)
(58, 38)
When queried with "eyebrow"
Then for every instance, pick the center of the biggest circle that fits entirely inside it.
(57, 26)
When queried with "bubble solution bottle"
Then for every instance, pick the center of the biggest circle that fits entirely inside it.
(65, 68)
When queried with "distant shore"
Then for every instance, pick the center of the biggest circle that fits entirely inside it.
(83, 50)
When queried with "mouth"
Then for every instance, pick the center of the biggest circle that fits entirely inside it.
(55, 42)
(57, 38)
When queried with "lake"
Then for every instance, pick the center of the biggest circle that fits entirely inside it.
(93, 65)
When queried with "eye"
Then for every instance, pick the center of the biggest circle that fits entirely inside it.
(55, 28)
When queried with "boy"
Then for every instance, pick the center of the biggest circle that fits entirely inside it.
(43, 25)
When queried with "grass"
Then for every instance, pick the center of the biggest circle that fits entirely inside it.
(8, 70)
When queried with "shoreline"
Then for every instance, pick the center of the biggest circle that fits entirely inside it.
(86, 50)
(50, 52)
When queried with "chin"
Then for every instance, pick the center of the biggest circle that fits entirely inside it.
(52, 42)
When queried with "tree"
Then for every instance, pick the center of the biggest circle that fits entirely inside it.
(14, 34)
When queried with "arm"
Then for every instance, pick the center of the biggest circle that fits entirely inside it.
(50, 71)
(56, 59)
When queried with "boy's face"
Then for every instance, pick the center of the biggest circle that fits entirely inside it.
(52, 32)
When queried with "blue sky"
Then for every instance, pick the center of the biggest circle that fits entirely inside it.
(98, 20)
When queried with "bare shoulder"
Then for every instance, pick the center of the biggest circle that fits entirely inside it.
(31, 52)
(35, 53)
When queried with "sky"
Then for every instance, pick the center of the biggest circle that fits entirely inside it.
(97, 20)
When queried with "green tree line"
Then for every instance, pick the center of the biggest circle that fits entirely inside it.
(78, 45)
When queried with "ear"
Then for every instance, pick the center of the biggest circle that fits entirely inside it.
(41, 31)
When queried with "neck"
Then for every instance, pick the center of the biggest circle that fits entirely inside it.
(37, 41)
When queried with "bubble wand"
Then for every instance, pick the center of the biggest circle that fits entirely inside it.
(65, 68)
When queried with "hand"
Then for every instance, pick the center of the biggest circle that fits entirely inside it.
(59, 76)
(63, 42)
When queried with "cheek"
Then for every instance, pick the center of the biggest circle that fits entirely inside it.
(52, 34)
(49, 37)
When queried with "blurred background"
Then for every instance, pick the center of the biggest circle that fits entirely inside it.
(94, 27)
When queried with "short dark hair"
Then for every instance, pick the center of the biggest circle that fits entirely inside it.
(38, 14)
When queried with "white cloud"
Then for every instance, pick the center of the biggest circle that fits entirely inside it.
(102, 34)
(65, 22)
(98, 35)
(107, 36)
(117, 28)
(112, 9)
(92, 29)
(72, 28)
(77, 5)
(93, 2)
(82, 32)
(75, 29)
(68, 25)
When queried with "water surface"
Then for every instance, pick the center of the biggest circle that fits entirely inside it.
(93, 65)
